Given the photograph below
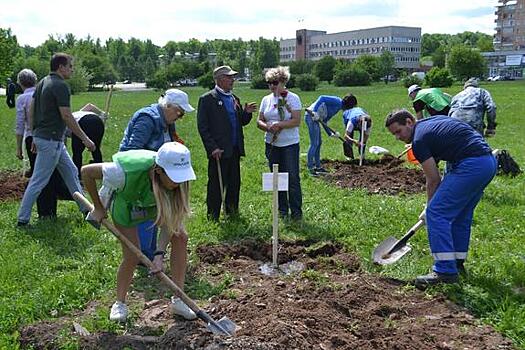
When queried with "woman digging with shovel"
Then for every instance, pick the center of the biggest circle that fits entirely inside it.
(146, 185)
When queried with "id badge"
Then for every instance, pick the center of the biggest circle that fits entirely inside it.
(138, 213)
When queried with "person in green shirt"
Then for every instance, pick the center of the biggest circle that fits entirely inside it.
(145, 185)
(429, 102)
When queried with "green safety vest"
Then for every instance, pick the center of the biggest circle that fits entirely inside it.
(434, 98)
(135, 202)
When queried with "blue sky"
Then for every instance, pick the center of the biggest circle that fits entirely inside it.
(163, 20)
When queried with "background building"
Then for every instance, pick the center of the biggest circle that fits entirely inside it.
(403, 42)
(508, 59)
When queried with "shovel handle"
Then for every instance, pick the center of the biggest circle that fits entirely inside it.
(404, 152)
(403, 241)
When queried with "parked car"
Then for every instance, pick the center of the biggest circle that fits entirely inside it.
(127, 81)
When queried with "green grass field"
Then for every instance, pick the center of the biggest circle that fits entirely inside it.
(59, 267)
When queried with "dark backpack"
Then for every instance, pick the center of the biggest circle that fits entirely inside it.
(506, 164)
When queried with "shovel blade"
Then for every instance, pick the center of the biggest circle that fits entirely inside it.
(224, 326)
(383, 255)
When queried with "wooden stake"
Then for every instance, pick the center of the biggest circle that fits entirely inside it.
(275, 212)
(108, 100)
(362, 150)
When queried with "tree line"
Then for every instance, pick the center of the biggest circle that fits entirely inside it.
(98, 62)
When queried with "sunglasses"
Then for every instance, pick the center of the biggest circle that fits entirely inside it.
(273, 82)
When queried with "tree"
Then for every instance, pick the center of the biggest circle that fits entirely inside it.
(438, 77)
(370, 64)
(8, 53)
(265, 54)
(464, 62)
(307, 82)
(439, 57)
(324, 68)
(387, 62)
(301, 67)
(351, 75)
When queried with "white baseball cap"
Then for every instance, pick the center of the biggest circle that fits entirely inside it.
(177, 97)
(413, 88)
(175, 159)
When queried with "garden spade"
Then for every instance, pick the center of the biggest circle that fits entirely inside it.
(391, 249)
(224, 326)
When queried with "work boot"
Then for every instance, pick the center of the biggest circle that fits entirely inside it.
(178, 307)
(460, 265)
(434, 278)
(313, 173)
(119, 312)
(321, 170)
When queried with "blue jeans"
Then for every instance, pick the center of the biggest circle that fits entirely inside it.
(313, 157)
(50, 155)
(288, 159)
(450, 211)
(147, 232)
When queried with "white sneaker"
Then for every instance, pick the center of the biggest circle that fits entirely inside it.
(119, 312)
(177, 307)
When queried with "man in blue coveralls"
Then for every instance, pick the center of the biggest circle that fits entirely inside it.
(451, 200)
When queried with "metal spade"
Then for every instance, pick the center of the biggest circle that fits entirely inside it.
(391, 249)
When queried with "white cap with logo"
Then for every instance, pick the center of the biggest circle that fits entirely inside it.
(176, 97)
(175, 159)
(413, 88)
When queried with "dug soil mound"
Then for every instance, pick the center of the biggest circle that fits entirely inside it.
(332, 304)
(12, 185)
(387, 175)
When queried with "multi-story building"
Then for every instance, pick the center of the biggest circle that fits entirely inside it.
(508, 59)
(403, 42)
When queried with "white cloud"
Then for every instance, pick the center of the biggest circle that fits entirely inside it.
(161, 20)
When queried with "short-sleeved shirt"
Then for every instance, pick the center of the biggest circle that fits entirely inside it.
(433, 99)
(445, 138)
(269, 107)
(23, 103)
(351, 119)
(51, 93)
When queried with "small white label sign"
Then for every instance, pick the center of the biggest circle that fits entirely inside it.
(282, 181)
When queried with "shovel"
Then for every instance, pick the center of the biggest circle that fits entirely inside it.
(224, 326)
(391, 249)
(221, 185)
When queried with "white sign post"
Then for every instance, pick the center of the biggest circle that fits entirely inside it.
(275, 182)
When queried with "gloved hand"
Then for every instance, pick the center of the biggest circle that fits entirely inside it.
(490, 132)
(335, 134)
(315, 117)
(423, 215)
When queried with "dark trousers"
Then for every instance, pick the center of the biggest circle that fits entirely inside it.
(46, 202)
(288, 159)
(93, 126)
(231, 179)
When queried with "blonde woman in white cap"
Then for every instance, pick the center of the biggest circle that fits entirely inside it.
(146, 185)
(149, 128)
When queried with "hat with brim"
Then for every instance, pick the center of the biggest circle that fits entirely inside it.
(177, 97)
(413, 88)
(223, 70)
(175, 159)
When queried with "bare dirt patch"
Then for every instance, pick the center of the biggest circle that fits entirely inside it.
(387, 175)
(12, 185)
(333, 304)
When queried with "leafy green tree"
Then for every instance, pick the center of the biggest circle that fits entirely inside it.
(465, 62)
(439, 57)
(438, 77)
(371, 65)
(387, 63)
(265, 54)
(307, 82)
(8, 53)
(324, 68)
(79, 80)
(301, 66)
(485, 44)
(351, 75)
(206, 80)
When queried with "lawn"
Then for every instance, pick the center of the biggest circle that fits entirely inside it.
(58, 268)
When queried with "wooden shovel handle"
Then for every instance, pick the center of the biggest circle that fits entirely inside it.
(404, 152)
